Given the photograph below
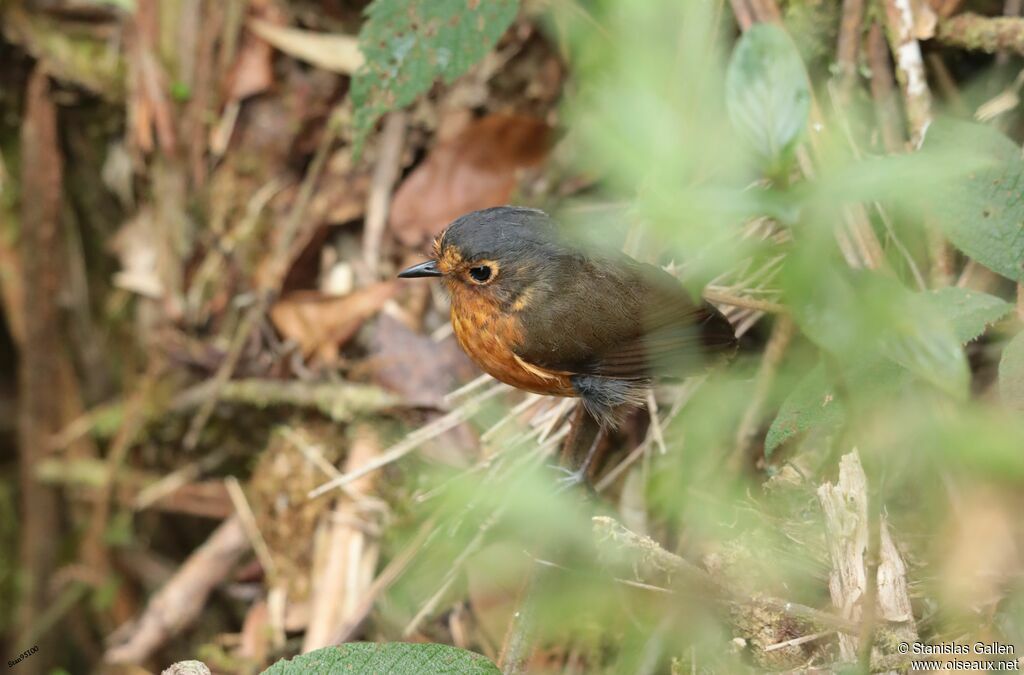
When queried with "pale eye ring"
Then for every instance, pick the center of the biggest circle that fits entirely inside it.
(481, 274)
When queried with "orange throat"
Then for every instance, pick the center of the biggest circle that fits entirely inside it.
(490, 336)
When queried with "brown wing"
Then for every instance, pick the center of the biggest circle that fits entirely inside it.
(623, 320)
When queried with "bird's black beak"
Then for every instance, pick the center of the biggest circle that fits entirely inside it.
(425, 269)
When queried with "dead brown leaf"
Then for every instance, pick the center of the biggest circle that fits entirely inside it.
(252, 72)
(321, 324)
(421, 370)
(136, 246)
(475, 169)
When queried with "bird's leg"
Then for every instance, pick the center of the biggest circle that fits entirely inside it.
(580, 447)
(575, 477)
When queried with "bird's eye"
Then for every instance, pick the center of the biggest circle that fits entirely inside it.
(481, 274)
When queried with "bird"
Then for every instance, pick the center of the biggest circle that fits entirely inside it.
(545, 314)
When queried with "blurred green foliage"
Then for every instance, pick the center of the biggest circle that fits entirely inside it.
(768, 96)
(1011, 372)
(983, 213)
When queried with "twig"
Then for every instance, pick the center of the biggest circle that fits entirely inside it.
(529, 401)
(949, 7)
(1011, 8)
(724, 297)
(349, 555)
(880, 53)
(656, 430)
(797, 641)
(175, 480)
(946, 83)
(744, 15)
(452, 574)
(385, 174)
(223, 374)
(766, 11)
(518, 642)
(782, 334)
(467, 389)
(42, 352)
(340, 402)
(181, 600)
(412, 441)
(849, 46)
(981, 33)
(899, 18)
(883, 90)
(653, 560)
(978, 277)
(252, 530)
(689, 389)
(845, 505)
(387, 576)
(910, 72)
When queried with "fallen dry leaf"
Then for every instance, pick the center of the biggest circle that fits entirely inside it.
(253, 71)
(421, 370)
(337, 53)
(925, 20)
(321, 324)
(136, 246)
(475, 169)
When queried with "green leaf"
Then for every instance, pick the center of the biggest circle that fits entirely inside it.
(409, 44)
(858, 316)
(983, 213)
(969, 312)
(1011, 373)
(813, 403)
(399, 658)
(810, 404)
(768, 95)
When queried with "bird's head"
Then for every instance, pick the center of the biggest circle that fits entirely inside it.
(495, 253)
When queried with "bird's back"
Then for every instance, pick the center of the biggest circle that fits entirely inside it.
(622, 319)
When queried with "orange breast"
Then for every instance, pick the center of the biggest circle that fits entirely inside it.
(489, 336)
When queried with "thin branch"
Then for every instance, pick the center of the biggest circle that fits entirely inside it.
(782, 335)
(412, 441)
(385, 175)
(182, 599)
(252, 529)
(653, 560)
(899, 19)
(982, 33)
(849, 46)
(743, 13)
(724, 297)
